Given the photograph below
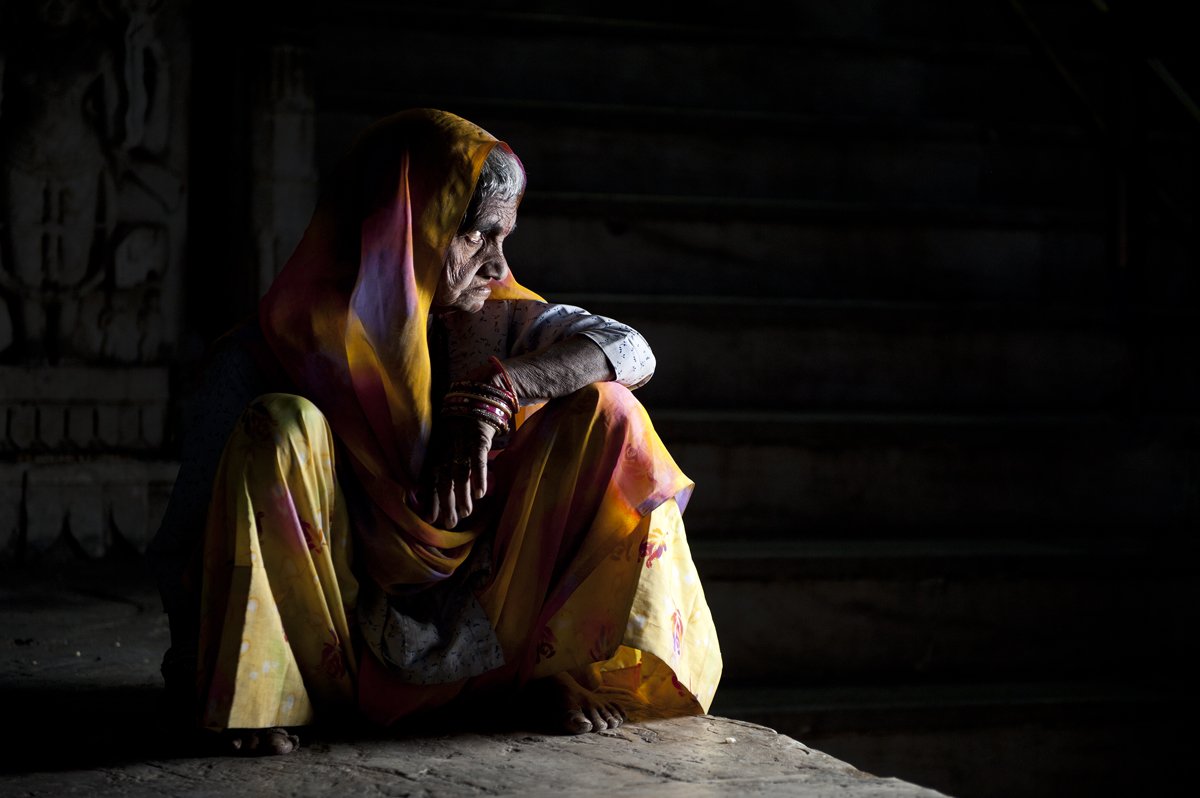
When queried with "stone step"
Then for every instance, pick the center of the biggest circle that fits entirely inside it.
(888, 475)
(828, 708)
(794, 559)
(928, 610)
(696, 66)
(932, 21)
(344, 116)
(593, 243)
(580, 148)
(792, 210)
(767, 353)
(993, 740)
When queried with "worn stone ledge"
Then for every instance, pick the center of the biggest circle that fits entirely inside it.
(83, 654)
(679, 757)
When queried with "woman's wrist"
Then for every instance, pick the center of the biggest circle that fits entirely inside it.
(503, 379)
(491, 400)
(556, 371)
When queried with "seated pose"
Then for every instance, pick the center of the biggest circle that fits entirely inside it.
(411, 484)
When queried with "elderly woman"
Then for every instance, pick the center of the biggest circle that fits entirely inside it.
(438, 489)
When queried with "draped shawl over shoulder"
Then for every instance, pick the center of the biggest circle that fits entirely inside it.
(347, 318)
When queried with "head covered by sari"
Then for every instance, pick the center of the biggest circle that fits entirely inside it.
(347, 318)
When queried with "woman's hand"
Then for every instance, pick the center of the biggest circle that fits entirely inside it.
(458, 477)
(457, 473)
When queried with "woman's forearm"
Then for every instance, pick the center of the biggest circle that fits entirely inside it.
(560, 369)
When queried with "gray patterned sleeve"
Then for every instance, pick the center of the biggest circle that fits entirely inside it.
(534, 325)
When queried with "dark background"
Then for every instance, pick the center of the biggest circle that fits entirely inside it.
(921, 281)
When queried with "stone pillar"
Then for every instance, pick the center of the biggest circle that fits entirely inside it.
(285, 172)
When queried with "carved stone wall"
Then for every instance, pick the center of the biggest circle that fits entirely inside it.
(93, 142)
(93, 230)
(81, 457)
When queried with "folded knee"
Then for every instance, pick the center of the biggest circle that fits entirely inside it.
(271, 418)
(608, 398)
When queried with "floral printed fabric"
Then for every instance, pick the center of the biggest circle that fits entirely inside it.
(436, 635)
(584, 487)
(573, 488)
(275, 640)
(668, 661)
(589, 573)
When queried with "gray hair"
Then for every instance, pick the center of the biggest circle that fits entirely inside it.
(502, 177)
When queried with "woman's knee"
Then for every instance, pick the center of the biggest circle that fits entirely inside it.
(610, 399)
(274, 417)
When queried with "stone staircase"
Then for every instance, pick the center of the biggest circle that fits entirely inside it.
(946, 453)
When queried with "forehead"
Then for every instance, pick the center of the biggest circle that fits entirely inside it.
(497, 212)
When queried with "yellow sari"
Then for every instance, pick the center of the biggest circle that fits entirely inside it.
(585, 564)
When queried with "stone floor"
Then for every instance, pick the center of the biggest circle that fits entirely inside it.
(79, 655)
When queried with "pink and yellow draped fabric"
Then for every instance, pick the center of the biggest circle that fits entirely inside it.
(591, 573)
(276, 641)
(347, 318)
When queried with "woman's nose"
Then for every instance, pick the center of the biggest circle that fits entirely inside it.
(495, 267)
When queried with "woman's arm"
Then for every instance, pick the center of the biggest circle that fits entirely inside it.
(461, 452)
(560, 369)
(536, 327)
(554, 352)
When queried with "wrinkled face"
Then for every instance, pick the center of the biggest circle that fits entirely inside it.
(475, 258)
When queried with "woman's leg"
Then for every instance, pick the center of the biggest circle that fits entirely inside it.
(627, 629)
(585, 512)
(274, 641)
(669, 661)
(231, 378)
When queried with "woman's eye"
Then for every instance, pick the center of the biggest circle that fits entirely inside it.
(475, 237)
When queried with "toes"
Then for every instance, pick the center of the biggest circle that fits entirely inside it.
(577, 723)
(265, 742)
(615, 716)
(280, 742)
(598, 721)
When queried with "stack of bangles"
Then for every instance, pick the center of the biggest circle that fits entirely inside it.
(494, 405)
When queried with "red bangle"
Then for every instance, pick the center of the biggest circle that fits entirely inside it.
(463, 406)
(487, 418)
(508, 383)
(485, 391)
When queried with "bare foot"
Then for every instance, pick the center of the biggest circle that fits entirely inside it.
(577, 710)
(260, 742)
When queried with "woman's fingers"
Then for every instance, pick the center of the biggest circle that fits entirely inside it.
(462, 486)
(454, 491)
(471, 466)
(432, 511)
(460, 476)
(479, 472)
(447, 517)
